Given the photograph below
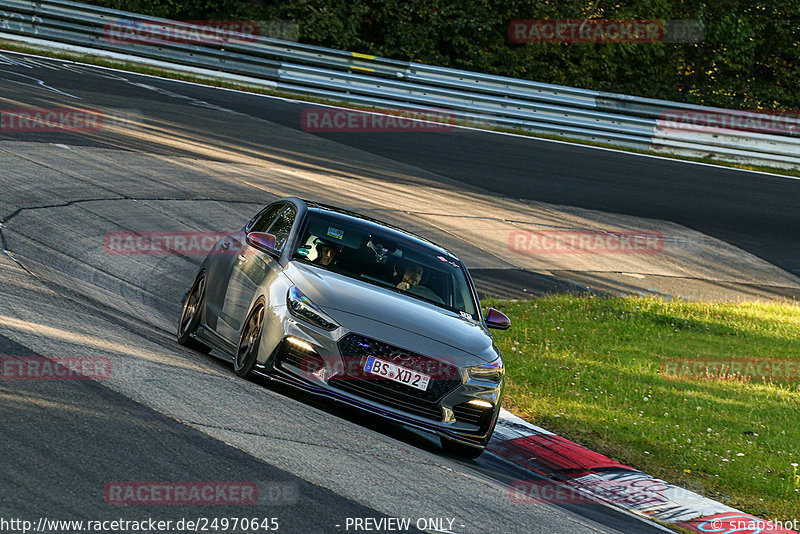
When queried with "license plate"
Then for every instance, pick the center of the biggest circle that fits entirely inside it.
(396, 373)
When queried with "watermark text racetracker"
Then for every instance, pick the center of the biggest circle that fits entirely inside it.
(55, 368)
(776, 122)
(165, 242)
(189, 32)
(397, 366)
(180, 493)
(745, 369)
(200, 493)
(585, 242)
(50, 120)
(549, 31)
(67, 119)
(391, 120)
(131, 31)
(630, 491)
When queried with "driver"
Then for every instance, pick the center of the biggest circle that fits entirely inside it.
(326, 253)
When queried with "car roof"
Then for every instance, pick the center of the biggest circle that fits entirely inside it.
(327, 209)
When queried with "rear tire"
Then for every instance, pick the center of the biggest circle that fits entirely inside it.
(190, 316)
(460, 449)
(249, 341)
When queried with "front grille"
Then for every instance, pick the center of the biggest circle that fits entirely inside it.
(355, 349)
(362, 389)
(307, 362)
(472, 415)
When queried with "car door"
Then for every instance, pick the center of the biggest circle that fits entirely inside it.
(251, 269)
(222, 264)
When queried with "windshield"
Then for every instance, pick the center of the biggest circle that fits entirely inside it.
(387, 259)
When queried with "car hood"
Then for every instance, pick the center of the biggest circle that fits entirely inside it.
(391, 317)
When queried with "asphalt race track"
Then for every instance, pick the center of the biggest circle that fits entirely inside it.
(755, 212)
(180, 157)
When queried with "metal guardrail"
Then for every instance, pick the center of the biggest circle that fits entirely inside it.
(386, 83)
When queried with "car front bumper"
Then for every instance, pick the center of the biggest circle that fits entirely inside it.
(316, 365)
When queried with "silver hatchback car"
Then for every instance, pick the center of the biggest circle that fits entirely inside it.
(342, 305)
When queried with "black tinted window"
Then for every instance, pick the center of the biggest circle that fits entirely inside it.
(283, 226)
(385, 258)
(264, 219)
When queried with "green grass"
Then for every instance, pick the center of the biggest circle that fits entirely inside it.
(589, 369)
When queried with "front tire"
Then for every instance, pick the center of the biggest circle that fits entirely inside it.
(460, 449)
(190, 316)
(249, 341)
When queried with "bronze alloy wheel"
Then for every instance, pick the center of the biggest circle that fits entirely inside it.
(249, 340)
(190, 317)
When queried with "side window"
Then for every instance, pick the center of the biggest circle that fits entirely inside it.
(283, 226)
(263, 220)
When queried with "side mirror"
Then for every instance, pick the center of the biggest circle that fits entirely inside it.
(262, 241)
(497, 319)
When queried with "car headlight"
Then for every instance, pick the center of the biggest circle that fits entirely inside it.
(301, 307)
(491, 371)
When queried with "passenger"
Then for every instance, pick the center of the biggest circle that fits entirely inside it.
(412, 274)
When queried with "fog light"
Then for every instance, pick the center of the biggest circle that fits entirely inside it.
(300, 343)
(480, 403)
